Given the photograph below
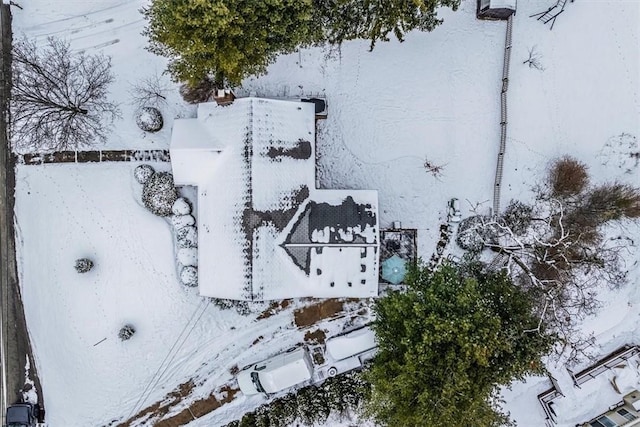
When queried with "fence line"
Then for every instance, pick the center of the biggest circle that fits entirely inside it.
(503, 116)
(93, 156)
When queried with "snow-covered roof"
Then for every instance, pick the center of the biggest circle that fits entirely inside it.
(351, 344)
(499, 4)
(265, 231)
(286, 370)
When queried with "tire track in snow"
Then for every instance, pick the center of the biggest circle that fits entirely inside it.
(111, 31)
(64, 21)
(72, 30)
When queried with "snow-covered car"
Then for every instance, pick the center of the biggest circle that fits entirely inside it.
(454, 214)
(349, 351)
(277, 373)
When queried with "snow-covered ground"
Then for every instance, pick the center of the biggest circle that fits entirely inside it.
(434, 97)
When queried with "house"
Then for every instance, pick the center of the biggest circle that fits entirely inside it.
(605, 393)
(265, 231)
(495, 9)
(624, 413)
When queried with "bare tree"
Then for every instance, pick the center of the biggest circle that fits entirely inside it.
(557, 249)
(150, 91)
(535, 59)
(59, 98)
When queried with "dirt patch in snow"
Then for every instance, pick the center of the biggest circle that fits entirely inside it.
(200, 407)
(315, 337)
(310, 315)
(196, 410)
(274, 308)
(160, 409)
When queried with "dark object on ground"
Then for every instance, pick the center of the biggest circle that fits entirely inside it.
(321, 104)
(126, 332)
(83, 265)
(24, 415)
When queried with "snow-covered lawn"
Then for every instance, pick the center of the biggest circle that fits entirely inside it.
(434, 97)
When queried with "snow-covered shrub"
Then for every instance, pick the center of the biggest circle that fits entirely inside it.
(474, 232)
(189, 276)
(159, 193)
(188, 256)
(126, 332)
(180, 221)
(181, 207)
(149, 119)
(517, 216)
(312, 405)
(242, 307)
(142, 173)
(187, 237)
(83, 265)
(283, 411)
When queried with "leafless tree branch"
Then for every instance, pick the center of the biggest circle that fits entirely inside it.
(59, 98)
(535, 59)
(150, 91)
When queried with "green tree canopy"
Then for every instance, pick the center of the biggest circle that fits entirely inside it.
(447, 343)
(226, 39)
(374, 19)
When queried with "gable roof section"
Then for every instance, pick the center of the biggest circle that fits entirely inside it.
(254, 164)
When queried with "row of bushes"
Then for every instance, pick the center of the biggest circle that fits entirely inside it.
(160, 196)
(341, 394)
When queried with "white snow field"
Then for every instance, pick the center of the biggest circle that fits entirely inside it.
(434, 97)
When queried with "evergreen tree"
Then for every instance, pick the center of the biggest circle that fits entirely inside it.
(226, 39)
(375, 19)
(447, 343)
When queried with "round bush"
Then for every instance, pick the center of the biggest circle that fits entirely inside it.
(188, 256)
(159, 193)
(143, 173)
(83, 265)
(126, 332)
(180, 221)
(187, 237)
(149, 119)
(189, 276)
(567, 177)
(473, 232)
(181, 207)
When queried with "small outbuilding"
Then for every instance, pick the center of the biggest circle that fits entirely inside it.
(496, 9)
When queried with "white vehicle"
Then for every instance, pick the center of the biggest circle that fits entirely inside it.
(454, 214)
(277, 373)
(351, 350)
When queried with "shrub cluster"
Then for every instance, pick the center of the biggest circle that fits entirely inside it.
(186, 241)
(312, 404)
(160, 196)
(242, 307)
